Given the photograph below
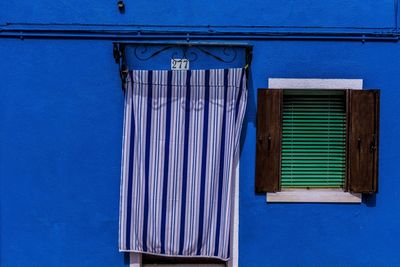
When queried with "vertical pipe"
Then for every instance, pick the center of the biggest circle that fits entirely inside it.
(396, 11)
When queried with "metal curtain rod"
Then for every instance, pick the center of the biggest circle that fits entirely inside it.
(186, 43)
(119, 52)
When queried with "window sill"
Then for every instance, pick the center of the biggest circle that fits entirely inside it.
(313, 196)
(184, 265)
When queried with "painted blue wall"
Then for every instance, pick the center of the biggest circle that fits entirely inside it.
(325, 235)
(334, 13)
(61, 117)
(61, 125)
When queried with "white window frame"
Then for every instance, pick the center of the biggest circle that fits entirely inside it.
(314, 195)
(135, 259)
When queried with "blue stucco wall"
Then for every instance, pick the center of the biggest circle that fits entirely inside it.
(333, 13)
(61, 124)
(325, 235)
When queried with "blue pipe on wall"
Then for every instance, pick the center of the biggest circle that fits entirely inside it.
(202, 36)
(396, 13)
(131, 32)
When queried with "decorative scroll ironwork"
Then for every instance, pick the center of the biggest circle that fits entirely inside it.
(190, 52)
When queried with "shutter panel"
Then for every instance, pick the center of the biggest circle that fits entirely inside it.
(269, 133)
(363, 136)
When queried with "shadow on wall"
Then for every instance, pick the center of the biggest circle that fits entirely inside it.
(251, 110)
(369, 200)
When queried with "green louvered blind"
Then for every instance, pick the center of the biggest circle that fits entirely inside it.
(313, 139)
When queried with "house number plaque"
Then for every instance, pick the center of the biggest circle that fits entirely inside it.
(179, 64)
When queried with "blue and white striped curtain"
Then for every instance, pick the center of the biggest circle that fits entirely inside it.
(181, 139)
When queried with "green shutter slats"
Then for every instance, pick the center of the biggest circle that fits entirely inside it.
(313, 139)
(305, 149)
(319, 165)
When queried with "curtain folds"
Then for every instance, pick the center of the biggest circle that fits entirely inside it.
(181, 136)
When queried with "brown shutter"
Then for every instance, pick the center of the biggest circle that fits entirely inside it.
(268, 147)
(363, 138)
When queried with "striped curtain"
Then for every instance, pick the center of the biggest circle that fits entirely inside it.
(180, 141)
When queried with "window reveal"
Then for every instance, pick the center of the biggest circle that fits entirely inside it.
(313, 139)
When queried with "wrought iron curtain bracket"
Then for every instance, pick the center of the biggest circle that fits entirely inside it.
(120, 59)
(185, 50)
(249, 58)
(188, 51)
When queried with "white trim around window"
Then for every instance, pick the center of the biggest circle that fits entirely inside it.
(283, 83)
(314, 195)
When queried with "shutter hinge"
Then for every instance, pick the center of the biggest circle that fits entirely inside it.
(264, 141)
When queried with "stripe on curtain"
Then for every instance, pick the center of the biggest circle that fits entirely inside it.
(181, 136)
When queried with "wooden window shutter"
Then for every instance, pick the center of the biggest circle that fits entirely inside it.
(269, 143)
(363, 139)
